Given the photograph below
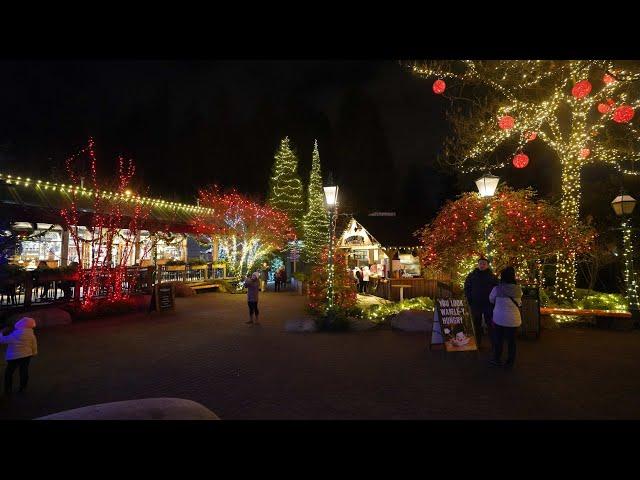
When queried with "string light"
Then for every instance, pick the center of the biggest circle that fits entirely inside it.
(285, 186)
(537, 94)
(316, 222)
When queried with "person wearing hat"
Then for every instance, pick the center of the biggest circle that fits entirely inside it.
(21, 346)
(477, 288)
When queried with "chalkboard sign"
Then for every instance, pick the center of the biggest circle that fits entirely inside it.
(530, 312)
(163, 297)
(452, 326)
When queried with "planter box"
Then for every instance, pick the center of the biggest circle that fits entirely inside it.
(197, 267)
(175, 268)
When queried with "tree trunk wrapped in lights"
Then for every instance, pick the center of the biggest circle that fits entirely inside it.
(581, 110)
(344, 287)
(285, 186)
(316, 222)
(114, 210)
(247, 232)
(523, 230)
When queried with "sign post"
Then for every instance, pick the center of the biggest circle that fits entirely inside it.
(452, 326)
(163, 297)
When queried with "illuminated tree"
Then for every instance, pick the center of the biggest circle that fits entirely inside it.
(344, 287)
(316, 221)
(285, 186)
(524, 232)
(247, 232)
(116, 217)
(581, 110)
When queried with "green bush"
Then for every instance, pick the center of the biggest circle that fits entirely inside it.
(380, 312)
(173, 263)
(334, 320)
(197, 261)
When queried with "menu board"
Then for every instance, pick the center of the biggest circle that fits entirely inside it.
(163, 297)
(452, 326)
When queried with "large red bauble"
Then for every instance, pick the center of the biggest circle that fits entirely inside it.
(581, 89)
(585, 152)
(439, 86)
(531, 136)
(607, 79)
(603, 108)
(520, 160)
(623, 114)
(506, 122)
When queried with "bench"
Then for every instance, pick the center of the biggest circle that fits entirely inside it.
(616, 319)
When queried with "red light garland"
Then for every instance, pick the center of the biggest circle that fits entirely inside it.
(581, 89)
(623, 114)
(506, 122)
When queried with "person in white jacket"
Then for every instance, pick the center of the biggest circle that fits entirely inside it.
(21, 346)
(366, 273)
(507, 298)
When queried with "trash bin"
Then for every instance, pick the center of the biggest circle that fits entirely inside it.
(530, 312)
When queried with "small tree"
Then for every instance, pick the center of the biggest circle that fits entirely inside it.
(344, 289)
(523, 230)
(316, 221)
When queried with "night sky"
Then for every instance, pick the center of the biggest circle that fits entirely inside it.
(188, 124)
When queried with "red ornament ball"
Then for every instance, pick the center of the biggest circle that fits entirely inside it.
(585, 152)
(607, 79)
(581, 89)
(506, 122)
(531, 136)
(610, 101)
(603, 108)
(520, 160)
(623, 114)
(439, 86)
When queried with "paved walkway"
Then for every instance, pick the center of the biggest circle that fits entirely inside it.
(204, 352)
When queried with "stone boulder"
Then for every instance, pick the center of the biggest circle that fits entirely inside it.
(360, 324)
(44, 317)
(300, 325)
(412, 321)
(144, 409)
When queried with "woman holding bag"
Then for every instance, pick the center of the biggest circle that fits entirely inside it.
(507, 298)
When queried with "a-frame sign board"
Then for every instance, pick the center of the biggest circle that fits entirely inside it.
(452, 326)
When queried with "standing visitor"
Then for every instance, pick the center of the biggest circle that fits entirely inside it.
(283, 277)
(264, 277)
(366, 273)
(507, 297)
(477, 287)
(21, 346)
(252, 283)
(358, 274)
(276, 281)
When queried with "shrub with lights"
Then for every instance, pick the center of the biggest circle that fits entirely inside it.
(381, 312)
(582, 111)
(523, 230)
(344, 290)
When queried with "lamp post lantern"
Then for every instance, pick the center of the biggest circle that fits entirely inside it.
(623, 206)
(487, 185)
(331, 197)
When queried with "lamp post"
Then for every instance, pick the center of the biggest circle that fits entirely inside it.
(623, 205)
(331, 197)
(487, 185)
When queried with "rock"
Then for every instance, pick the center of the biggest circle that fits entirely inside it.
(413, 321)
(44, 317)
(144, 409)
(300, 325)
(360, 324)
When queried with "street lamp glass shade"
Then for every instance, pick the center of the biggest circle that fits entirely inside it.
(487, 185)
(331, 196)
(623, 205)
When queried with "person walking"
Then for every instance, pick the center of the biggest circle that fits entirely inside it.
(276, 281)
(477, 287)
(366, 273)
(283, 278)
(21, 346)
(507, 297)
(252, 283)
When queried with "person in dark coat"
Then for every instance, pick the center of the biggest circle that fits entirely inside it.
(477, 288)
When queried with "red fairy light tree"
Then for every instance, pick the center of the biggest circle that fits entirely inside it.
(344, 288)
(522, 231)
(114, 220)
(246, 231)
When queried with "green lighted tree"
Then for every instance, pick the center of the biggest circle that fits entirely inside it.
(285, 186)
(316, 221)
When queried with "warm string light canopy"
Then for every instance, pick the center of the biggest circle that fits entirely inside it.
(569, 104)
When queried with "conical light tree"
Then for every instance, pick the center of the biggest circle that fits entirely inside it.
(285, 186)
(581, 110)
(316, 221)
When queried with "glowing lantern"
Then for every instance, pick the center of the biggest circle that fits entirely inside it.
(623, 114)
(607, 79)
(531, 136)
(581, 89)
(585, 152)
(439, 86)
(520, 160)
(603, 108)
(506, 122)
